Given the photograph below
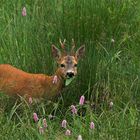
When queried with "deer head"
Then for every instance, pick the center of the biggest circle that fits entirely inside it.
(68, 61)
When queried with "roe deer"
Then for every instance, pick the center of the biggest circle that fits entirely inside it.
(15, 82)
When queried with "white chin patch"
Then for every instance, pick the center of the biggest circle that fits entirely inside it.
(68, 81)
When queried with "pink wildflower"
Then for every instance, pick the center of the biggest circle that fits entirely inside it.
(112, 40)
(30, 100)
(64, 124)
(82, 100)
(50, 116)
(55, 79)
(45, 123)
(92, 126)
(35, 117)
(79, 137)
(24, 13)
(73, 109)
(111, 104)
(68, 132)
(41, 130)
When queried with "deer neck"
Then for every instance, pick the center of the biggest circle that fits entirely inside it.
(60, 77)
(54, 84)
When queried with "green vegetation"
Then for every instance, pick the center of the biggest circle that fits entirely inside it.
(109, 72)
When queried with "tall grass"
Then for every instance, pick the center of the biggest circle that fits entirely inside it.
(110, 70)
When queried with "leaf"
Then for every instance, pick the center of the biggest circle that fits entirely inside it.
(68, 81)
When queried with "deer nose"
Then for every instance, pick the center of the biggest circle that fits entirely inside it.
(70, 74)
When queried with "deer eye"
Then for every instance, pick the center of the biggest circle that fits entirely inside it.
(62, 65)
(75, 65)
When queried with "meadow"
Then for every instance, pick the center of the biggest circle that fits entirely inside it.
(108, 75)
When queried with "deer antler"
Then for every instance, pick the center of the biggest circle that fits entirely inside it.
(73, 46)
(62, 44)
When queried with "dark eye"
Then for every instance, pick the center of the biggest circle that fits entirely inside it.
(75, 65)
(62, 65)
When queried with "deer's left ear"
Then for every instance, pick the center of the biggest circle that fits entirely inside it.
(80, 52)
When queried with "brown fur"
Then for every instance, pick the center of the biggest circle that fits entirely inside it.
(17, 82)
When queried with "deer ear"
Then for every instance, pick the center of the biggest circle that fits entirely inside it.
(56, 52)
(80, 52)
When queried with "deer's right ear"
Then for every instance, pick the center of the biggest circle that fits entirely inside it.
(56, 52)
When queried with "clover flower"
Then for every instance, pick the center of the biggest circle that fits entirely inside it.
(82, 100)
(24, 13)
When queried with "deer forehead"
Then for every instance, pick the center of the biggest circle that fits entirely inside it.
(69, 60)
